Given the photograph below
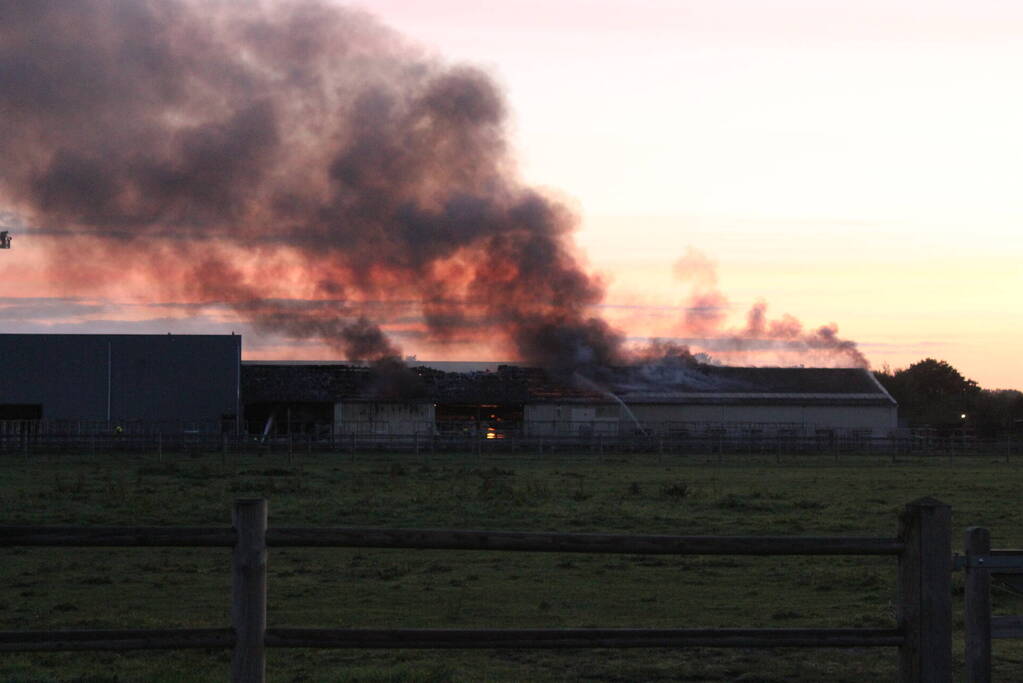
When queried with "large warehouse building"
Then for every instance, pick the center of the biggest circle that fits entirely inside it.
(189, 380)
(199, 383)
(674, 401)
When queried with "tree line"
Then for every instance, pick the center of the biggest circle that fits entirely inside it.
(932, 393)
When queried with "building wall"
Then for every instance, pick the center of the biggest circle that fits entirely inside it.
(582, 419)
(157, 378)
(397, 419)
(877, 420)
(571, 419)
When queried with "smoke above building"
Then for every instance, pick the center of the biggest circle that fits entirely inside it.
(304, 165)
(782, 339)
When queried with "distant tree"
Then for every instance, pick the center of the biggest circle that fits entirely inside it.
(932, 392)
(998, 412)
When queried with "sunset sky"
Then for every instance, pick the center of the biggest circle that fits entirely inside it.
(856, 163)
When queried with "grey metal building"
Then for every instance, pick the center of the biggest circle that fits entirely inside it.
(739, 401)
(121, 378)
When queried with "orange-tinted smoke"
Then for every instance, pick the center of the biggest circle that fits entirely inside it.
(307, 166)
(762, 338)
(293, 159)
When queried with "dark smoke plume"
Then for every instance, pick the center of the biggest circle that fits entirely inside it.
(253, 152)
(295, 160)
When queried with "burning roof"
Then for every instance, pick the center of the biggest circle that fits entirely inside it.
(268, 381)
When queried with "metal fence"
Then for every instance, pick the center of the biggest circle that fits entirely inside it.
(29, 437)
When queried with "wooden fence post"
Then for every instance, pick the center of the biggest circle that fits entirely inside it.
(248, 591)
(925, 592)
(977, 608)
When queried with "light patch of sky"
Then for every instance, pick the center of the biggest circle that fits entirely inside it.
(849, 162)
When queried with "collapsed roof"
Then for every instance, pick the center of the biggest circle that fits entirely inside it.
(266, 381)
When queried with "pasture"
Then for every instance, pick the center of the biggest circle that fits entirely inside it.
(100, 588)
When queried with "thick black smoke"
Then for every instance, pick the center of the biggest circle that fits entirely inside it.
(250, 152)
(293, 159)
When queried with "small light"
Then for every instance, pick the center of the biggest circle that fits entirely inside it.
(963, 416)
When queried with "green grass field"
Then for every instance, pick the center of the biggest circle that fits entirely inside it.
(50, 588)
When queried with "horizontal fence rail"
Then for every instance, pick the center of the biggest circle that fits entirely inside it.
(580, 638)
(443, 539)
(437, 539)
(152, 639)
(181, 639)
(118, 537)
(922, 635)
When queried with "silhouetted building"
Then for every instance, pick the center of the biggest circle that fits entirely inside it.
(122, 378)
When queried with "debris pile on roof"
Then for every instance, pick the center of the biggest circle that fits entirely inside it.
(517, 385)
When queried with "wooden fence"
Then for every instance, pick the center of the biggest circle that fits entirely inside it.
(981, 564)
(922, 633)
